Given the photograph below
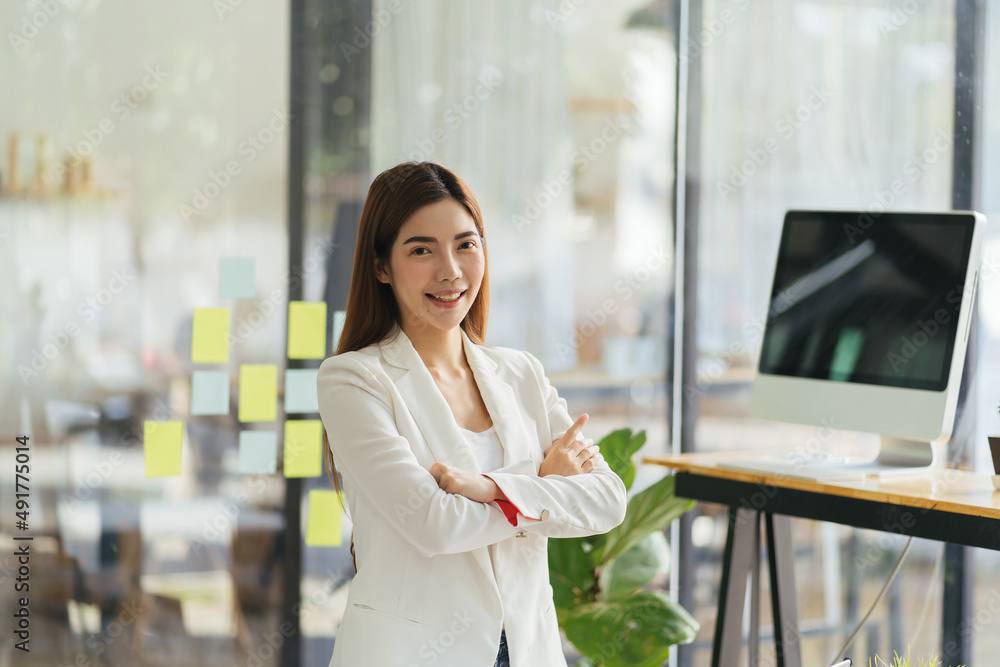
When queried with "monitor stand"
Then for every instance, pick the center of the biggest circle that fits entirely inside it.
(897, 457)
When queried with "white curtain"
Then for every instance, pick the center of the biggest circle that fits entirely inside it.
(480, 87)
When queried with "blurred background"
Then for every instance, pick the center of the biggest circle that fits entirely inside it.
(140, 143)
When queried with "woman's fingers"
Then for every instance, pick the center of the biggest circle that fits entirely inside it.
(574, 430)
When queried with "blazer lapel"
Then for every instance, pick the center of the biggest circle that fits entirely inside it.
(497, 388)
(433, 415)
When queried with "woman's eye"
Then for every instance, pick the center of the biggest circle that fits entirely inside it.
(472, 242)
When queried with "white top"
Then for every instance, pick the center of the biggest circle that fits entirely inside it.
(487, 448)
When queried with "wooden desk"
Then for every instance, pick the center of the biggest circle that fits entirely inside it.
(947, 505)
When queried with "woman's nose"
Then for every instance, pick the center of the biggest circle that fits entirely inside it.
(449, 269)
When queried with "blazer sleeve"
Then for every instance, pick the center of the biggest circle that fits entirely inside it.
(380, 465)
(510, 510)
(559, 506)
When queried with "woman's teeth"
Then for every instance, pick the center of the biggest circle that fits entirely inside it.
(447, 298)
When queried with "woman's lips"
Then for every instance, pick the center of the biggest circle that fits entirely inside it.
(446, 304)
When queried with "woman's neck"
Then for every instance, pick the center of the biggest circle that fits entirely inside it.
(441, 351)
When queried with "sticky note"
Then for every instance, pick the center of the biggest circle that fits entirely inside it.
(339, 317)
(323, 525)
(210, 336)
(306, 330)
(258, 453)
(161, 443)
(258, 393)
(300, 390)
(303, 448)
(237, 278)
(210, 393)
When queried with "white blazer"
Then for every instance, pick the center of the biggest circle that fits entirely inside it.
(439, 575)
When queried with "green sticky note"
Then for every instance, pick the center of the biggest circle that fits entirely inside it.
(258, 453)
(303, 448)
(323, 526)
(236, 278)
(210, 393)
(161, 443)
(300, 390)
(258, 393)
(210, 336)
(306, 330)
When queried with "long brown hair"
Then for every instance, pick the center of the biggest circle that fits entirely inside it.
(372, 311)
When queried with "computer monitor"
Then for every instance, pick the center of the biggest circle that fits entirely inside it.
(867, 327)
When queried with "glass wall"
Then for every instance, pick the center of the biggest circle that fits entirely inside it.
(151, 243)
(142, 145)
(821, 105)
(561, 119)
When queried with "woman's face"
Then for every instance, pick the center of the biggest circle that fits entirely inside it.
(437, 251)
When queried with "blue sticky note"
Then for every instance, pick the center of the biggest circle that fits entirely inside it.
(300, 390)
(258, 453)
(339, 316)
(237, 278)
(210, 393)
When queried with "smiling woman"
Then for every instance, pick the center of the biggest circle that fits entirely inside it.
(458, 459)
(432, 277)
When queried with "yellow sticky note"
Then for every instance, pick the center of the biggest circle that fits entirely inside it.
(210, 336)
(323, 526)
(258, 393)
(306, 330)
(161, 443)
(303, 448)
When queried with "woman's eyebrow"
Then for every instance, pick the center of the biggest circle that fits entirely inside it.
(431, 239)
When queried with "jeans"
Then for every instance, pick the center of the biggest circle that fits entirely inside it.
(502, 659)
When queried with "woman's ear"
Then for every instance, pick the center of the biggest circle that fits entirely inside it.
(380, 273)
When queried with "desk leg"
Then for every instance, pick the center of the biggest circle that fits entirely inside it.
(736, 564)
(781, 564)
(753, 641)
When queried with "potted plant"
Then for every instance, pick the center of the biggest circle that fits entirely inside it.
(900, 661)
(600, 582)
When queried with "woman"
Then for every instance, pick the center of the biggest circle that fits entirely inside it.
(459, 460)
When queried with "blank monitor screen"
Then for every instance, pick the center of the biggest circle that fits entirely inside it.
(873, 299)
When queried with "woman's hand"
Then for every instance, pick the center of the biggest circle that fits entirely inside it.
(570, 454)
(464, 483)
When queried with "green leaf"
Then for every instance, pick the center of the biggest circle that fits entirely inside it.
(650, 510)
(571, 573)
(634, 631)
(617, 448)
(636, 567)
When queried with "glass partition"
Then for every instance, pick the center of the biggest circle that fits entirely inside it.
(561, 119)
(813, 105)
(143, 145)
